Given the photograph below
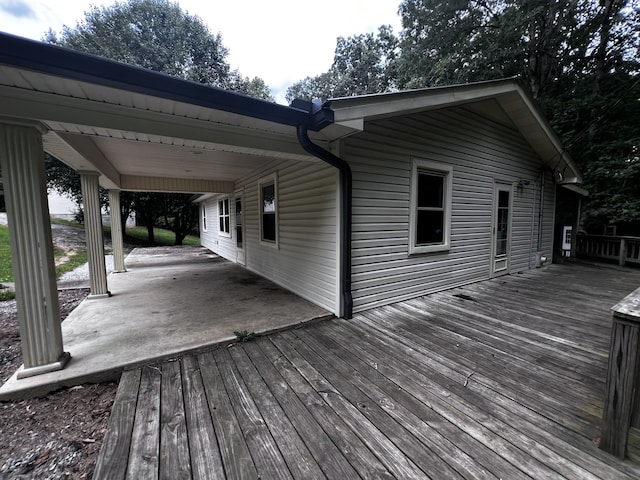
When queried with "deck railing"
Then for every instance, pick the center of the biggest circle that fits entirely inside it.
(621, 417)
(606, 247)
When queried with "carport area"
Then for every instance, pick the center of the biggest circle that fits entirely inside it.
(171, 301)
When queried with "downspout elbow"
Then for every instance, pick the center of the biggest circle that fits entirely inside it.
(346, 183)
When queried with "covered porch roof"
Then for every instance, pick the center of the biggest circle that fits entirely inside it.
(144, 130)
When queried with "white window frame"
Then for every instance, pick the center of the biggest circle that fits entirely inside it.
(418, 166)
(222, 216)
(203, 206)
(266, 181)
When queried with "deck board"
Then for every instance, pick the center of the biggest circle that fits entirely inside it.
(205, 458)
(144, 455)
(174, 443)
(114, 454)
(499, 379)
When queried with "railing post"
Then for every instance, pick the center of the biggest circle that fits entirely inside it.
(620, 404)
(623, 252)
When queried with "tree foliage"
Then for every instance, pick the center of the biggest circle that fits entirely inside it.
(362, 64)
(579, 58)
(160, 36)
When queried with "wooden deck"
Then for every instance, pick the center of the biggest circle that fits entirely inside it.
(499, 379)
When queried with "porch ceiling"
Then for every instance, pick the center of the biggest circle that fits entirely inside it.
(138, 141)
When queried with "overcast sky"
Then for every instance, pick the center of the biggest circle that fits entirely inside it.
(281, 41)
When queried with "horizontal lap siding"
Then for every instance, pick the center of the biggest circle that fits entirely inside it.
(481, 152)
(211, 238)
(305, 261)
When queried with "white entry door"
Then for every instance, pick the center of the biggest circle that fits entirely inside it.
(240, 247)
(502, 202)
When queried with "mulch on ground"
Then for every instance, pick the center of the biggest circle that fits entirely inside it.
(58, 436)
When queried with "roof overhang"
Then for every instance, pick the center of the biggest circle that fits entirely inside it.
(351, 114)
(144, 130)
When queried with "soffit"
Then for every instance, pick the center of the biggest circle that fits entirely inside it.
(136, 134)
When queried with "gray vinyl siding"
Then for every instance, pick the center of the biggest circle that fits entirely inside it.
(305, 261)
(481, 153)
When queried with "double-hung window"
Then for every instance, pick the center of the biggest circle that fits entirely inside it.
(430, 215)
(224, 226)
(268, 191)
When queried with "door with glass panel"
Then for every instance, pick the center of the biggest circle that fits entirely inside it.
(501, 229)
(240, 247)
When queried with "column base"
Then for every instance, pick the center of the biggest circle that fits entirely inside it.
(95, 296)
(40, 369)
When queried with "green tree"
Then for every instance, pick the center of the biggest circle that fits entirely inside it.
(153, 34)
(580, 60)
(362, 64)
(180, 214)
(160, 36)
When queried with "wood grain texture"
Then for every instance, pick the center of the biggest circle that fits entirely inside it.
(114, 454)
(203, 445)
(145, 440)
(499, 379)
(174, 442)
(235, 455)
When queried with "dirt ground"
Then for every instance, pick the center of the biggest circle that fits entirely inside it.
(58, 436)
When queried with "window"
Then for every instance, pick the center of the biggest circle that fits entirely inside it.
(204, 217)
(224, 227)
(430, 215)
(239, 223)
(268, 190)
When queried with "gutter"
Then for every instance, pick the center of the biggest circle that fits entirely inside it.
(346, 183)
(62, 62)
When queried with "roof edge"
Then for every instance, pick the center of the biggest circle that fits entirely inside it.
(63, 62)
(380, 105)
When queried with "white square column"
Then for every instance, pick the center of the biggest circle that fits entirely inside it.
(23, 172)
(93, 229)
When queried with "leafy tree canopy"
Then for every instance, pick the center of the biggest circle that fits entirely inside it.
(579, 58)
(362, 64)
(160, 36)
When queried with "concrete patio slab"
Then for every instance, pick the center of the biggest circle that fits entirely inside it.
(170, 301)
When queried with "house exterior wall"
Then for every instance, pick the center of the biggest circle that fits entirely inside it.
(305, 261)
(482, 152)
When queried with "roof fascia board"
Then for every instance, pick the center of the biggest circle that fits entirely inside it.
(349, 111)
(48, 107)
(543, 124)
(389, 104)
(63, 62)
(575, 189)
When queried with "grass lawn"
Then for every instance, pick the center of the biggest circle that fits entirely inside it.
(138, 236)
(77, 259)
(6, 273)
